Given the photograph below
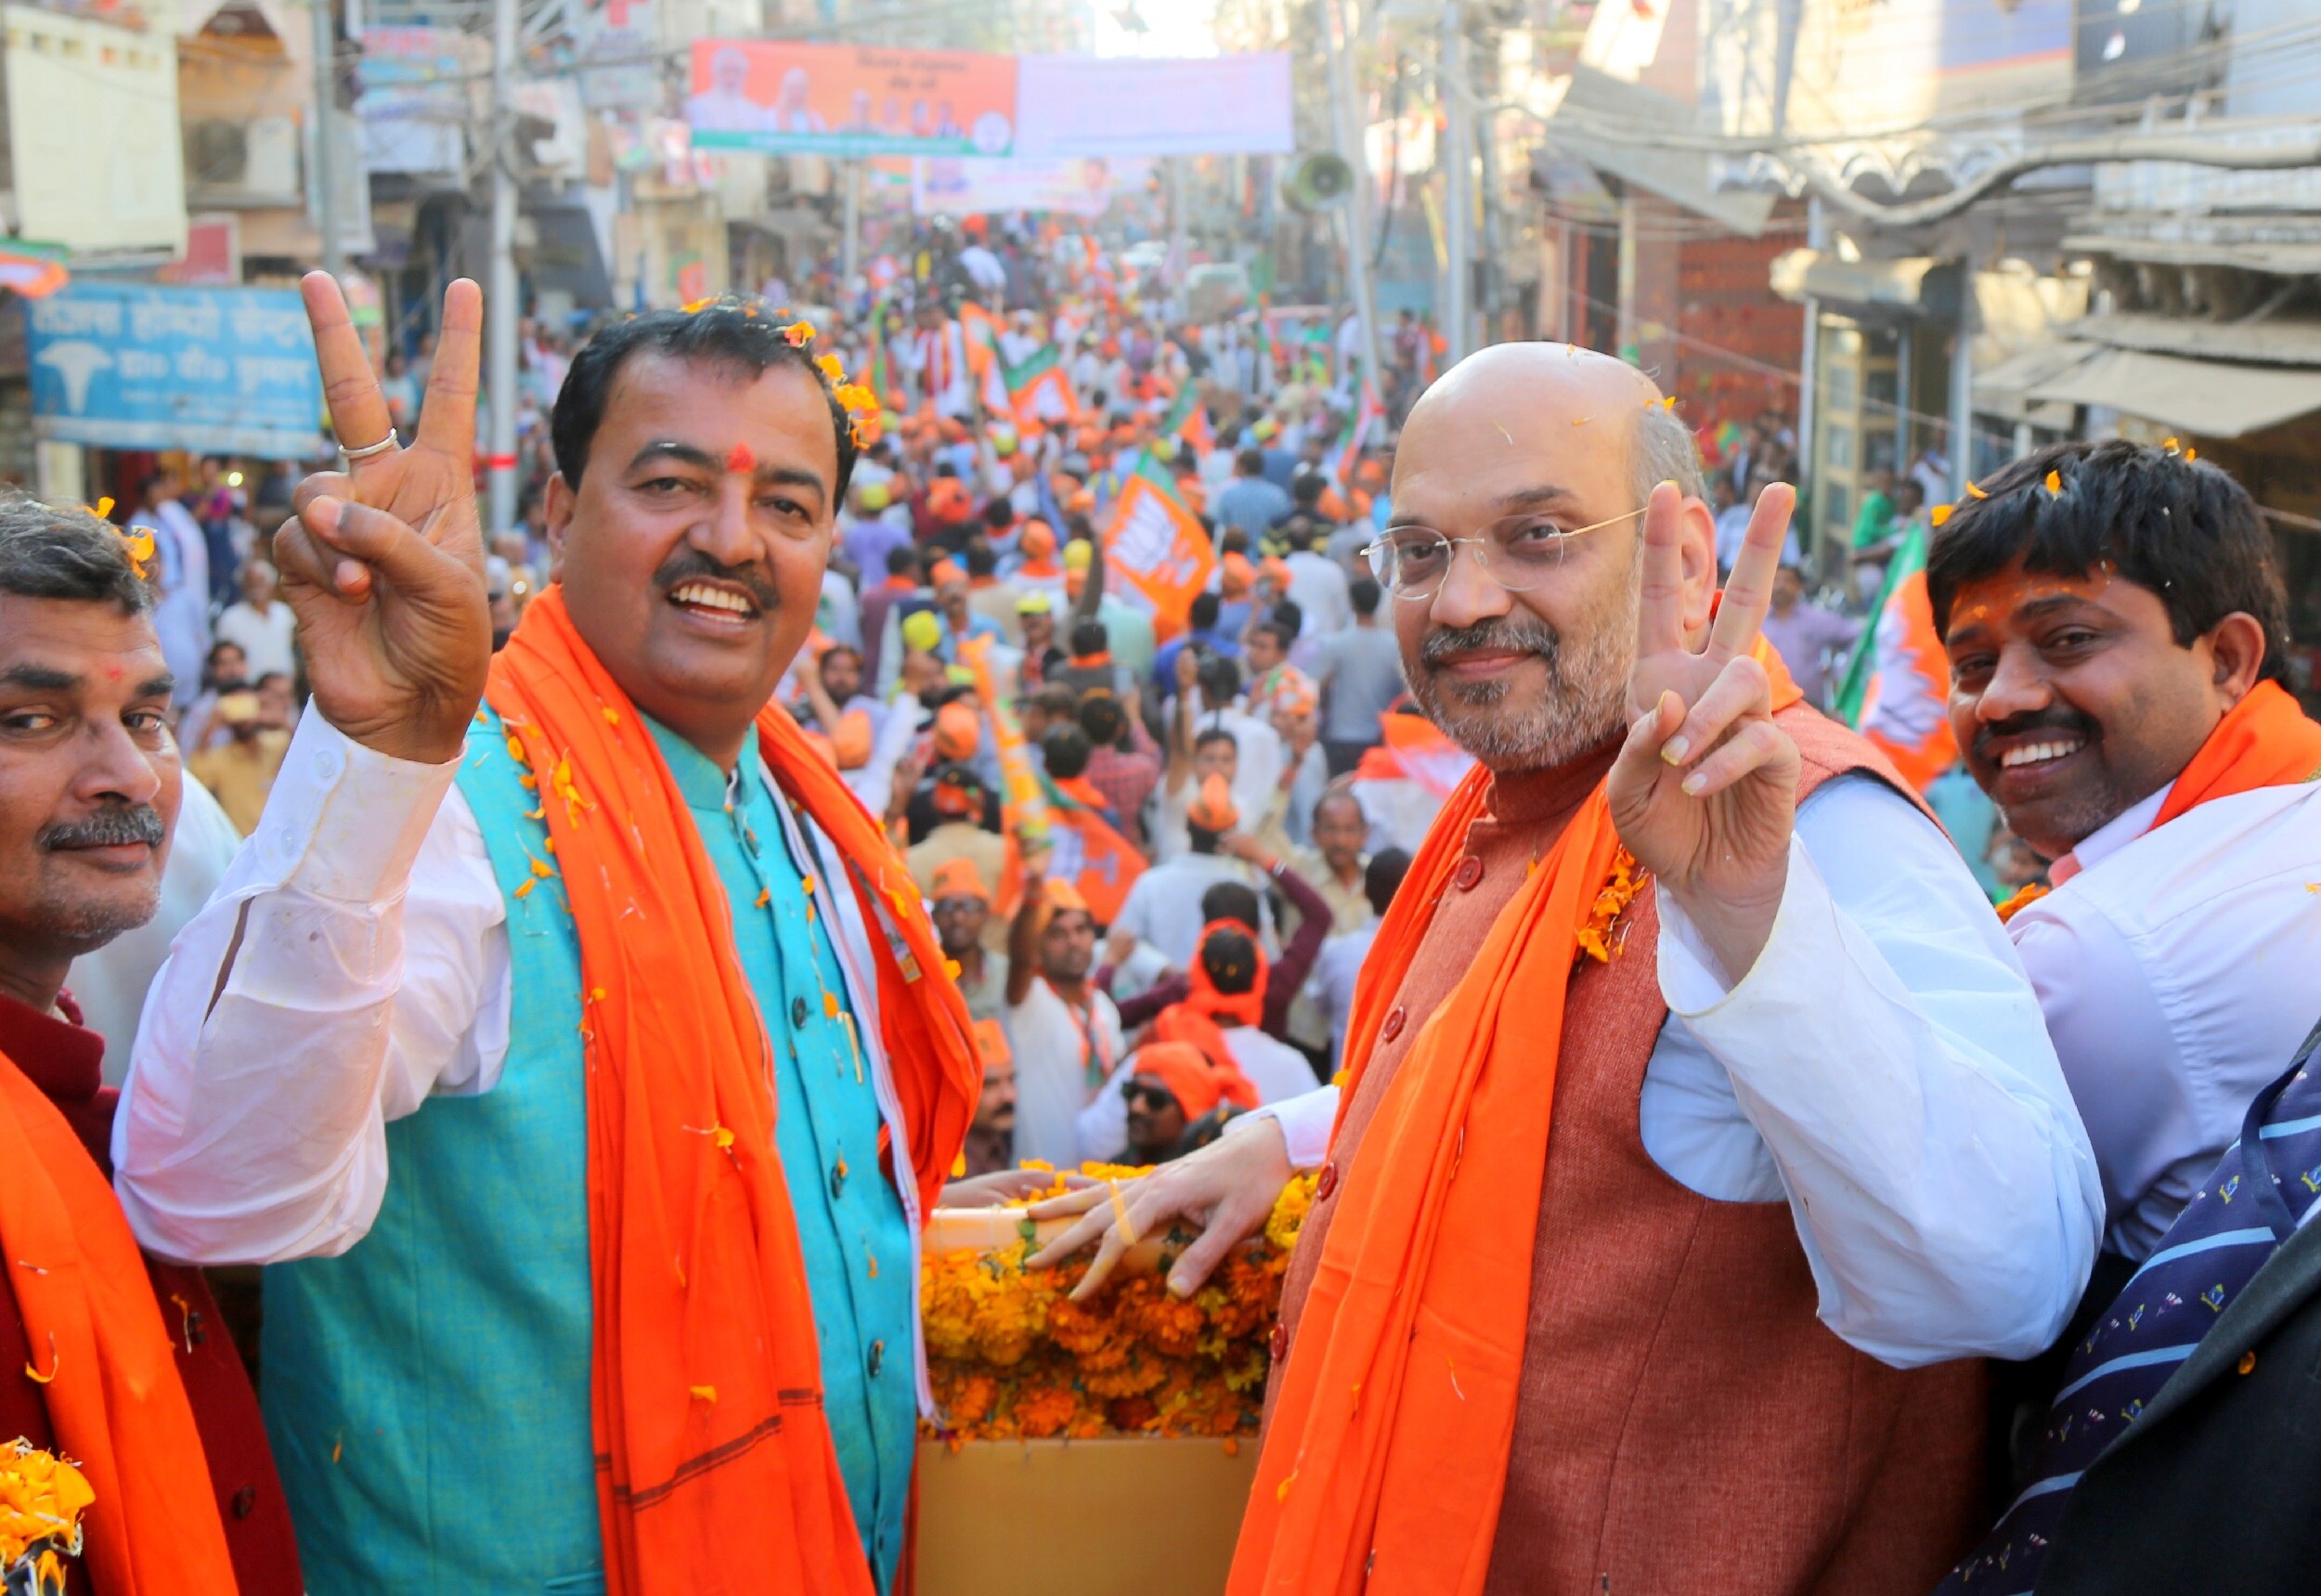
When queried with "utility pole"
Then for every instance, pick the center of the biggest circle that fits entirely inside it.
(1457, 160)
(1180, 243)
(850, 247)
(500, 297)
(1356, 210)
(326, 130)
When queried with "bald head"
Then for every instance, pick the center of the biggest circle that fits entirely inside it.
(1516, 442)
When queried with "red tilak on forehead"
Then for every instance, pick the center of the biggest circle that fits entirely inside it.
(741, 460)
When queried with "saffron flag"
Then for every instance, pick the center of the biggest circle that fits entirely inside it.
(1187, 423)
(1368, 412)
(980, 329)
(1158, 546)
(1086, 850)
(1039, 390)
(1897, 689)
(881, 362)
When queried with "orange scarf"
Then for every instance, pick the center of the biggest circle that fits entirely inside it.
(1385, 1457)
(708, 1382)
(2264, 741)
(115, 1400)
(1196, 1018)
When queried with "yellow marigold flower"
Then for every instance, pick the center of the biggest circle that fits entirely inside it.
(2054, 482)
(800, 333)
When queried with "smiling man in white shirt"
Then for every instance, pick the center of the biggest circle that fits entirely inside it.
(2117, 632)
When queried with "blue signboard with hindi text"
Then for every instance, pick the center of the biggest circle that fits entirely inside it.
(147, 366)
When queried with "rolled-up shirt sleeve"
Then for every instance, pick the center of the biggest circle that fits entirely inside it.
(1305, 1120)
(1887, 1047)
(353, 960)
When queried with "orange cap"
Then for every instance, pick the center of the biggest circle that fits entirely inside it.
(956, 731)
(1039, 542)
(1213, 809)
(957, 878)
(1062, 895)
(1237, 574)
(945, 573)
(947, 500)
(1276, 570)
(991, 1042)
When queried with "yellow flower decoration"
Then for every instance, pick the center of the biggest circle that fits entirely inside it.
(800, 333)
(1974, 492)
(140, 544)
(1939, 513)
(2054, 483)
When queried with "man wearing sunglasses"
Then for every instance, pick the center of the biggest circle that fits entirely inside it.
(1700, 1132)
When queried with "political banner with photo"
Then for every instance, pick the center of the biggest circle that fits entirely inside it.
(143, 366)
(972, 186)
(850, 100)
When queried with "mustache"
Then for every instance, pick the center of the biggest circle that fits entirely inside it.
(112, 827)
(693, 565)
(1528, 634)
(2055, 717)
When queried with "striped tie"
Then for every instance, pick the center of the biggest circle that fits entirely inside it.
(2248, 1206)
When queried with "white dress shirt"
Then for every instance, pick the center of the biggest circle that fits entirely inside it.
(2178, 970)
(1882, 1067)
(369, 972)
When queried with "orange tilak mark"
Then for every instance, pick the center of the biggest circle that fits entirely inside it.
(741, 462)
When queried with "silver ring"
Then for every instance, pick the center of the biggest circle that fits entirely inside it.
(364, 452)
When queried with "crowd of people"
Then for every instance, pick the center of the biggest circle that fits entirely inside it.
(849, 784)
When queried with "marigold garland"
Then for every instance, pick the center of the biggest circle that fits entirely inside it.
(1626, 880)
(1011, 1355)
(42, 1498)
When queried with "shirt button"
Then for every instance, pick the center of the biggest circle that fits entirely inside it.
(838, 1180)
(1393, 1027)
(1326, 1182)
(1470, 871)
(878, 1358)
(798, 1012)
(1278, 1343)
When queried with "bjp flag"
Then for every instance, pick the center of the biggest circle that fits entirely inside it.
(1897, 689)
(1156, 546)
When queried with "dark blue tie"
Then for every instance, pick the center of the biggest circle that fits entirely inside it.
(2248, 1206)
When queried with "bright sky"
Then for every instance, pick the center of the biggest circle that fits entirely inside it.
(1174, 28)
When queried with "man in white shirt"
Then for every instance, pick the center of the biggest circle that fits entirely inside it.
(1826, 1016)
(2117, 645)
(261, 624)
(1331, 984)
(1064, 1033)
(1319, 587)
(1164, 904)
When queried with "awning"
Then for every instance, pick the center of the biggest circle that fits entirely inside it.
(1594, 103)
(2003, 389)
(2200, 396)
(1916, 285)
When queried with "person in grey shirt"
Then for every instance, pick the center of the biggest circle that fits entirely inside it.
(1359, 672)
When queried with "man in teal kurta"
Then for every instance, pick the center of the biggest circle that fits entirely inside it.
(370, 1070)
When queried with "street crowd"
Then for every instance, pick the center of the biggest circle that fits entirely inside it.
(1020, 722)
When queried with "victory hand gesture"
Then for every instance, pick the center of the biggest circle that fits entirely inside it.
(384, 564)
(1704, 791)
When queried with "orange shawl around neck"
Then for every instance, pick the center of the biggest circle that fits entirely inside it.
(1385, 1457)
(2266, 740)
(115, 1400)
(716, 1466)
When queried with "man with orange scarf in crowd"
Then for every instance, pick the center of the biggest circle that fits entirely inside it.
(1699, 1134)
(116, 1362)
(583, 1067)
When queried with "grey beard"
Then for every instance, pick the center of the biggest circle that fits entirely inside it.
(1585, 703)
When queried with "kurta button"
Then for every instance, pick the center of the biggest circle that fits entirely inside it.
(1278, 1343)
(798, 1012)
(878, 1358)
(1470, 871)
(1393, 1027)
(1326, 1182)
(245, 1501)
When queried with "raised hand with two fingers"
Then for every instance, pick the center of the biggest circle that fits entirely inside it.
(1704, 790)
(383, 565)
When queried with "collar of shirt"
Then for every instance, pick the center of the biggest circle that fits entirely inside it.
(2110, 837)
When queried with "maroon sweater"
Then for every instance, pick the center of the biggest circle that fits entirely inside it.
(63, 1060)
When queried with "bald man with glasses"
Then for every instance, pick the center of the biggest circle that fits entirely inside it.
(1699, 1135)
